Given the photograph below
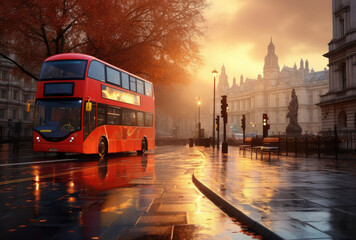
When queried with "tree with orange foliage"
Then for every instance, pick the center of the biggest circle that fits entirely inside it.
(156, 39)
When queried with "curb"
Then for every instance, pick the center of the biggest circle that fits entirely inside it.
(234, 212)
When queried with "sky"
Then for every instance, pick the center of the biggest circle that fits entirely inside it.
(239, 31)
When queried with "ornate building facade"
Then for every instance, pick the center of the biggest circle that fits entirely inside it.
(271, 94)
(338, 105)
(14, 93)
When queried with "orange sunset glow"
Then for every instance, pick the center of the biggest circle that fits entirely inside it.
(239, 31)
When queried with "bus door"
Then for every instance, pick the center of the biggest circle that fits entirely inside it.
(89, 120)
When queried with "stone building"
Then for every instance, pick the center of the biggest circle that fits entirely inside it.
(14, 93)
(338, 105)
(271, 94)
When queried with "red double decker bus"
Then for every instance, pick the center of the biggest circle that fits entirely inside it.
(85, 105)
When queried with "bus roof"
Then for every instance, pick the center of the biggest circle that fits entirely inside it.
(64, 56)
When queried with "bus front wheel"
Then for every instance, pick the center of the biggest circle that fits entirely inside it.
(143, 147)
(103, 147)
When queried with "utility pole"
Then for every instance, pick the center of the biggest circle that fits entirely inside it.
(217, 121)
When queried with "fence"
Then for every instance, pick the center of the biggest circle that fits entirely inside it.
(317, 146)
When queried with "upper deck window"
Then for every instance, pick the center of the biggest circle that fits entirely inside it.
(125, 80)
(140, 87)
(97, 71)
(113, 76)
(63, 70)
(148, 88)
(132, 84)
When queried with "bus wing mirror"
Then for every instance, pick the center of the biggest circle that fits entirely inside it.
(28, 105)
(88, 106)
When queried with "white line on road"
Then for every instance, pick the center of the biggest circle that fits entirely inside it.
(38, 162)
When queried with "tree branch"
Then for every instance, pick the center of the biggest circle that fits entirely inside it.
(19, 66)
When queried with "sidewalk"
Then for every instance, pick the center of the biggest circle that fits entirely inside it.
(289, 198)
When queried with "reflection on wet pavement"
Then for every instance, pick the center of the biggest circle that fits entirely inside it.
(123, 197)
(296, 198)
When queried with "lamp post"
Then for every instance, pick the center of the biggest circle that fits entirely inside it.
(215, 73)
(199, 125)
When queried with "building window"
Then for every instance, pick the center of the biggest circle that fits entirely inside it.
(311, 117)
(4, 75)
(343, 76)
(25, 115)
(15, 94)
(310, 98)
(14, 114)
(3, 93)
(2, 113)
(342, 27)
(342, 119)
(287, 99)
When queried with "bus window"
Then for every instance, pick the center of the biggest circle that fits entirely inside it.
(133, 84)
(57, 119)
(149, 120)
(125, 80)
(148, 88)
(113, 76)
(114, 116)
(140, 87)
(140, 119)
(63, 70)
(128, 117)
(101, 114)
(97, 71)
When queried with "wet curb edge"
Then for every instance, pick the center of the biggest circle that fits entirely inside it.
(234, 212)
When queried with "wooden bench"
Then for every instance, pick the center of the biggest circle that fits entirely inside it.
(270, 145)
(246, 146)
(255, 149)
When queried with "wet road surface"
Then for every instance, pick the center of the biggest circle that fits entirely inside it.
(123, 197)
(296, 198)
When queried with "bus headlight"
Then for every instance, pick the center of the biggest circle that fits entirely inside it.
(38, 139)
(71, 139)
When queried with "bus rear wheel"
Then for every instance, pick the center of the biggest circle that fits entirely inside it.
(143, 147)
(103, 147)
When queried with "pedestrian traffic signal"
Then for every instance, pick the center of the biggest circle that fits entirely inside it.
(217, 121)
(243, 122)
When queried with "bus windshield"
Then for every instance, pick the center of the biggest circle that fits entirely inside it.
(63, 70)
(55, 120)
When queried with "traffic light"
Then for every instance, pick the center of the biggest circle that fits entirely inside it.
(243, 122)
(217, 121)
(224, 107)
(266, 126)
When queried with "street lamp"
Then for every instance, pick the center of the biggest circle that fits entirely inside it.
(215, 73)
(199, 125)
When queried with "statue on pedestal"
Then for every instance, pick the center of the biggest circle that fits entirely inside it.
(293, 128)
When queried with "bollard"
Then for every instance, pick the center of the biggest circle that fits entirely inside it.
(207, 142)
(191, 142)
(318, 146)
(306, 146)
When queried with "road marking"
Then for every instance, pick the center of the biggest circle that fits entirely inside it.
(38, 162)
